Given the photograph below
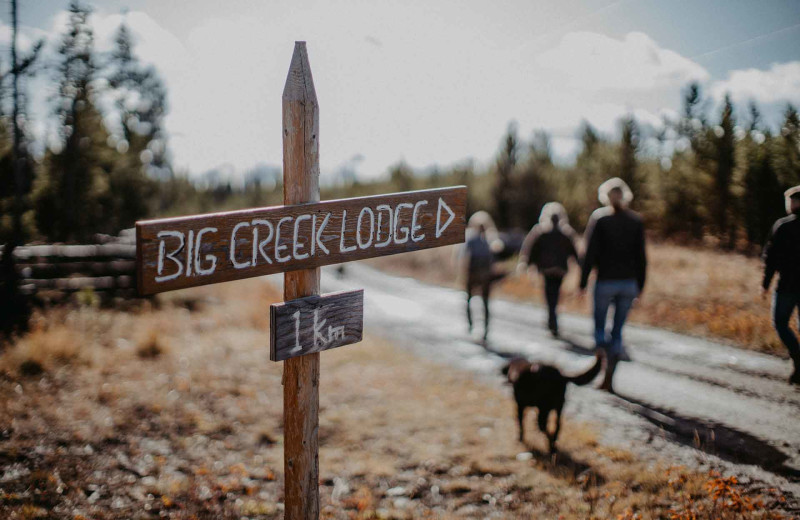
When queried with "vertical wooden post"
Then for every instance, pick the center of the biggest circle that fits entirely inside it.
(301, 374)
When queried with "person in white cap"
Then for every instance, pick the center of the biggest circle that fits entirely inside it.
(782, 255)
(615, 246)
(549, 246)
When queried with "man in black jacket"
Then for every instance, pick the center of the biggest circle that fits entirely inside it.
(615, 245)
(782, 254)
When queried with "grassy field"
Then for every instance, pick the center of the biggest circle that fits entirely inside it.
(695, 291)
(171, 409)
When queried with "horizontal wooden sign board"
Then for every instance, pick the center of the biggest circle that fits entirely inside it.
(315, 323)
(175, 253)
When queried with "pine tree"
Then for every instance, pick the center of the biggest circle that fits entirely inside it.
(597, 161)
(16, 174)
(762, 193)
(505, 166)
(532, 189)
(140, 104)
(629, 147)
(684, 183)
(71, 197)
(402, 176)
(725, 159)
(788, 155)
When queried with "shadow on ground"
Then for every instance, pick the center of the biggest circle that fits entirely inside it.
(561, 464)
(714, 438)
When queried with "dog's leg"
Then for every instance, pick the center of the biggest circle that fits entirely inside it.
(520, 417)
(469, 311)
(542, 418)
(554, 438)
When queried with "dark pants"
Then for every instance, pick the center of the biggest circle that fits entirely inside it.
(783, 306)
(552, 291)
(482, 284)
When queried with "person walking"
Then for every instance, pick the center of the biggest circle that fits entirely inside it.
(782, 255)
(479, 254)
(549, 245)
(615, 246)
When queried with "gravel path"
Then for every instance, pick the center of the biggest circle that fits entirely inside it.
(693, 401)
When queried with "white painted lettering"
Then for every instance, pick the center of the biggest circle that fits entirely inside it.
(319, 340)
(440, 228)
(404, 229)
(209, 258)
(258, 247)
(189, 255)
(362, 244)
(161, 255)
(380, 209)
(318, 234)
(414, 226)
(278, 246)
(342, 248)
(232, 250)
(297, 348)
(335, 333)
(297, 244)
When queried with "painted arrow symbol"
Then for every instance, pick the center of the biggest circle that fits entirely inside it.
(440, 228)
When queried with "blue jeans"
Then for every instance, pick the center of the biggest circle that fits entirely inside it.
(783, 306)
(621, 293)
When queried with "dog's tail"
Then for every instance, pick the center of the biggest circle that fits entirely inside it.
(589, 375)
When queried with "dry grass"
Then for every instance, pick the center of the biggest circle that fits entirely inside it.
(695, 291)
(45, 348)
(151, 346)
(198, 433)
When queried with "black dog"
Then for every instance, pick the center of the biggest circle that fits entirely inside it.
(543, 387)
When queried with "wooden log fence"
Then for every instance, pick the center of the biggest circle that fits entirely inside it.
(108, 266)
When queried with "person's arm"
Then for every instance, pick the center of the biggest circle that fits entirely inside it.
(527, 247)
(641, 260)
(590, 238)
(770, 256)
(573, 247)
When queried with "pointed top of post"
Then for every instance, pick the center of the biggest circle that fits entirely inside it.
(299, 82)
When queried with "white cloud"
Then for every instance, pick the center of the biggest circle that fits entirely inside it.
(778, 84)
(592, 61)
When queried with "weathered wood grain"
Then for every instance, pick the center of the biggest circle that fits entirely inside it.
(218, 247)
(301, 374)
(315, 323)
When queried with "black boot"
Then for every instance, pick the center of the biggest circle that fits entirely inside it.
(611, 367)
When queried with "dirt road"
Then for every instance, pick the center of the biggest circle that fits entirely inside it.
(692, 401)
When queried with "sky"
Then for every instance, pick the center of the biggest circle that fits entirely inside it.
(433, 82)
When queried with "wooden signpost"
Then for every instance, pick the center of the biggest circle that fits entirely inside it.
(296, 239)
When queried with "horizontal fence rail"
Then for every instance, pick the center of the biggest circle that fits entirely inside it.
(108, 266)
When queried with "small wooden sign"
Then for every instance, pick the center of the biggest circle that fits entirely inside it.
(175, 253)
(315, 323)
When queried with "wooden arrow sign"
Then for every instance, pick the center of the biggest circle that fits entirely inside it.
(175, 253)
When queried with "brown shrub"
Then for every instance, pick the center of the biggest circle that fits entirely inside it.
(43, 349)
(151, 346)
